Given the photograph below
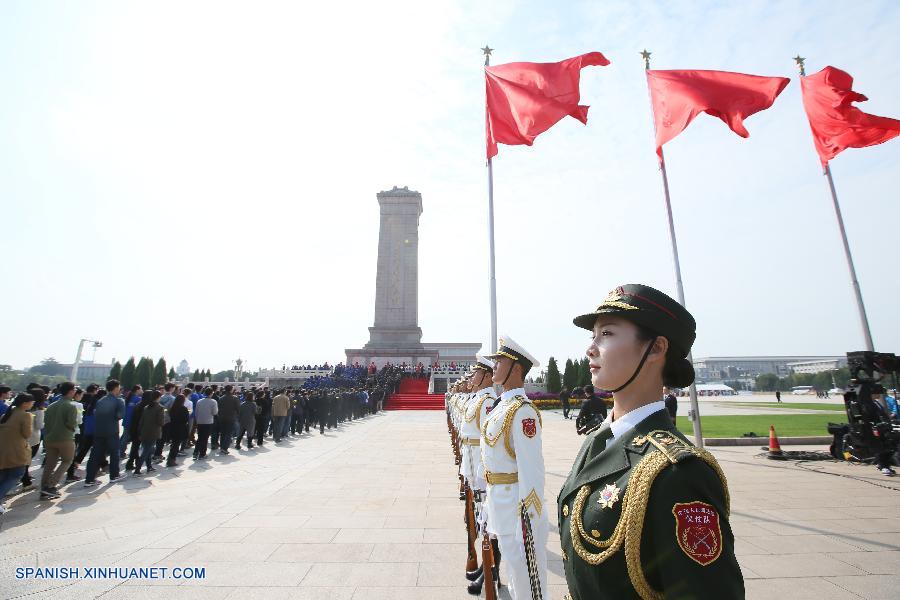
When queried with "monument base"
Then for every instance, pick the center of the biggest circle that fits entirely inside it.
(394, 356)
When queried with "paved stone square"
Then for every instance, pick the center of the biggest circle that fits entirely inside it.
(371, 511)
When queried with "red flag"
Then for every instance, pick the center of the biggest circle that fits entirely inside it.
(679, 96)
(526, 99)
(836, 124)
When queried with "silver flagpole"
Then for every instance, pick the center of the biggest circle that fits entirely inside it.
(679, 286)
(864, 320)
(487, 61)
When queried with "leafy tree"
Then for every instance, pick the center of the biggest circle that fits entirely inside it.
(570, 374)
(766, 382)
(554, 383)
(128, 375)
(116, 371)
(17, 380)
(160, 375)
(48, 366)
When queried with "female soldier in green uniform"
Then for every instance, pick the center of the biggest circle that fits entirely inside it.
(643, 513)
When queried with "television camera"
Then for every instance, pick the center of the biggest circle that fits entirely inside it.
(871, 433)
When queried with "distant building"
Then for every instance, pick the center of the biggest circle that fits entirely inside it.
(818, 366)
(89, 372)
(183, 368)
(724, 368)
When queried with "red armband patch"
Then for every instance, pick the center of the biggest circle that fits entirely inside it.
(698, 532)
(529, 427)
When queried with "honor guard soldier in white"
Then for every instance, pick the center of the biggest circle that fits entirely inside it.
(514, 471)
(476, 411)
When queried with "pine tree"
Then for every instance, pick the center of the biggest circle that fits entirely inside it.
(208, 375)
(553, 380)
(160, 375)
(144, 372)
(195, 376)
(570, 374)
(128, 375)
(116, 371)
(172, 375)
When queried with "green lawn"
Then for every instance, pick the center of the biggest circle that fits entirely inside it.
(791, 405)
(785, 425)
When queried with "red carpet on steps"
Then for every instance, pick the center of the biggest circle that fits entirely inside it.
(413, 395)
(413, 386)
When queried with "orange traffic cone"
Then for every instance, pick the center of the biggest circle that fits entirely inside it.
(774, 447)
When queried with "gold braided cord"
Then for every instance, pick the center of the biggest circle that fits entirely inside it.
(478, 406)
(576, 529)
(630, 527)
(507, 421)
(637, 511)
(466, 413)
(507, 426)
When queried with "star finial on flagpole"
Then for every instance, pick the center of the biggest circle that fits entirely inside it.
(487, 50)
(646, 56)
(800, 60)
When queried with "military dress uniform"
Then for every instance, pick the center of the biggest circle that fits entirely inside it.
(514, 471)
(643, 513)
(476, 412)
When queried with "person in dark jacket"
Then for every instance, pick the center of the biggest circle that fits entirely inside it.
(132, 432)
(229, 404)
(149, 429)
(132, 401)
(564, 399)
(86, 438)
(108, 411)
(264, 400)
(297, 409)
(179, 420)
(671, 403)
(592, 408)
(247, 417)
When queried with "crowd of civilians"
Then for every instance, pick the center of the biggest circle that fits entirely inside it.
(146, 427)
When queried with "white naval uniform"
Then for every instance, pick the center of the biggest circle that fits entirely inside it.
(511, 449)
(475, 414)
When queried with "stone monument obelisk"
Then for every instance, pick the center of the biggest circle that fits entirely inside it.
(397, 282)
(395, 336)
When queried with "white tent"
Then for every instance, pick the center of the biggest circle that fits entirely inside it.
(715, 389)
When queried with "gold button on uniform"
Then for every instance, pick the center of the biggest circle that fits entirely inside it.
(595, 533)
(565, 510)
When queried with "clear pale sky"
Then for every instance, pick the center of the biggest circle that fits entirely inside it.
(197, 179)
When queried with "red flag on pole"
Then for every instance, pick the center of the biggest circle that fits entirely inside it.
(836, 124)
(526, 99)
(679, 96)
